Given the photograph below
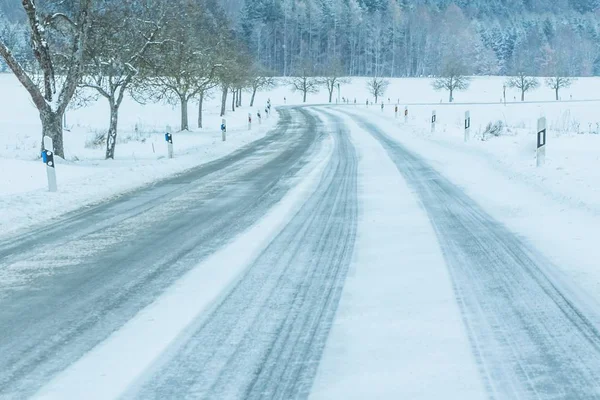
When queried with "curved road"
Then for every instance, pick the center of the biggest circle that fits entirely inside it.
(67, 287)
(79, 280)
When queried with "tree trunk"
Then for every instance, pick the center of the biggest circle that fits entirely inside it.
(330, 94)
(52, 127)
(184, 114)
(253, 95)
(200, 104)
(376, 97)
(111, 138)
(233, 98)
(304, 99)
(223, 101)
(240, 98)
(556, 94)
(451, 97)
(522, 95)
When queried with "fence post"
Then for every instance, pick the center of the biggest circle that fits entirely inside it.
(541, 142)
(467, 125)
(48, 158)
(169, 140)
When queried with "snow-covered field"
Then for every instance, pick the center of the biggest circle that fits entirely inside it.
(84, 177)
(571, 175)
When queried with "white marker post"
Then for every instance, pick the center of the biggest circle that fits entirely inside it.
(249, 121)
(433, 121)
(541, 142)
(48, 158)
(467, 125)
(405, 114)
(396, 112)
(224, 129)
(169, 140)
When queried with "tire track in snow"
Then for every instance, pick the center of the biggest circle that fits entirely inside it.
(266, 337)
(530, 340)
(107, 269)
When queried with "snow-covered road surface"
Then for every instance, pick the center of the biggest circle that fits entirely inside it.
(530, 339)
(284, 270)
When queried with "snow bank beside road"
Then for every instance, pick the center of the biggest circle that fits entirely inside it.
(85, 178)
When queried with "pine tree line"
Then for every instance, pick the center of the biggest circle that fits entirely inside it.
(399, 38)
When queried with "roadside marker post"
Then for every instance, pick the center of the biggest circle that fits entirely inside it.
(48, 159)
(396, 112)
(467, 125)
(433, 121)
(249, 121)
(169, 140)
(405, 114)
(259, 117)
(541, 142)
(224, 129)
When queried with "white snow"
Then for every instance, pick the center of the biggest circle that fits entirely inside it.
(398, 333)
(85, 177)
(555, 207)
(111, 368)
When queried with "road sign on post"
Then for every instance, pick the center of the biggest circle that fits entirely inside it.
(224, 129)
(541, 142)
(433, 121)
(169, 140)
(467, 125)
(48, 159)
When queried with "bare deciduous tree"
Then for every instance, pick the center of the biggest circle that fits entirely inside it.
(57, 42)
(524, 83)
(113, 59)
(305, 80)
(184, 64)
(452, 79)
(558, 82)
(261, 80)
(333, 77)
(377, 87)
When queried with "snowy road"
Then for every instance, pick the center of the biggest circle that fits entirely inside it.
(65, 289)
(529, 338)
(298, 265)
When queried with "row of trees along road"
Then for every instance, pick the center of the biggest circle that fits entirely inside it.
(178, 51)
(173, 51)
